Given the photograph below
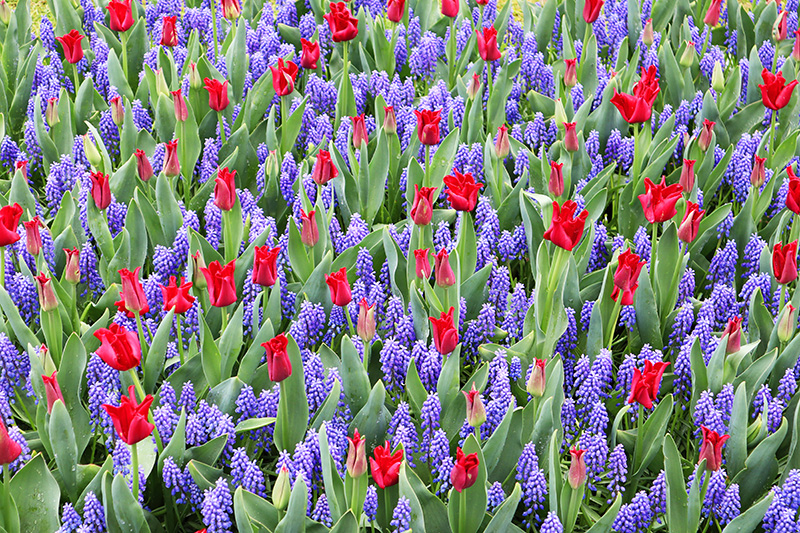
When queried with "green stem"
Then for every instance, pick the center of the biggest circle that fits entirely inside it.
(142, 343)
(498, 186)
(135, 471)
(221, 126)
(349, 322)
(451, 51)
(462, 511)
(214, 29)
(426, 179)
(552, 283)
(783, 295)
(653, 245)
(3, 266)
(75, 72)
(136, 383)
(771, 135)
(224, 311)
(614, 318)
(180, 336)
(124, 38)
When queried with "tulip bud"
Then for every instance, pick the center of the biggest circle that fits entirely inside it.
(5, 12)
(688, 56)
(92, 154)
(445, 277)
(422, 265)
(571, 73)
(195, 80)
(161, 83)
(181, 111)
(33, 239)
(502, 145)
(796, 46)
(560, 116)
(356, 456)
(389, 120)
(271, 165)
(282, 489)
(309, 230)
(117, 110)
(366, 320)
(52, 391)
(687, 175)
(47, 296)
(759, 175)
(476, 412)
(51, 113)
(143, 166)
(556, 183)
(473, 87)
(647, 33)
(577, 469)
(706, 134)
(536, 379)
(718, 78)
(46, 359)
(571, 137)
(72, 268)
(787, 324)
(198, 265)
(734, 332)
(21, 166)
(754, 429)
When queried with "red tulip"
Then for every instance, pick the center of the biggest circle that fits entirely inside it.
(309, 232)
(119, 348)
(52, 391)
(793, 194)
(633, 109)
(775, 92)
(33, 239)
(571, 137)
(225, 189)
(796, 46)
(690, 225)
(365, 327)
(395, 9)
(422, 209)
(132, 291)
(462, 190)
(556, 183)
(784, 262)
(71, 43)
(324, 169)
(343, 25)
(385, 466)
(143, 167)
(502, 145)
(265, 266)
(450, 8)
(476, 412)
(645, 384)
(181, 111)
(217, 94)
(172, 165)
(706, 135)
(465, 470)
(781, 28)
(101, 190)
(72, 267)
(22, 165)
(339, 287)
(537, 380)
(734, 332)
(659, 201)
(120, 15)
(279, 365)
(571, 72)
(711, 450)
(759, 174)
(231, 9)
(359, 131)
(221, 285)
(177, 297)
(422, 265)
(9, 221)
(130, 418)
(444, 273)
(169, 35)
(626, 278)
(117, 110)
(473, 87)
(283, 77)
(389, 120)
(9, 449)
(565, 229)
(356, 456)
(310, 54)
(487, 44)
(428, 126)
(445, 334)
(712, 15)
(591, 10)
(687, 175)
(577, 468)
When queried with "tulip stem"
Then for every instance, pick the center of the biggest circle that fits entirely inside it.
(214, 29)
(350, 323)
(124, 38)
(135, 471)
(451, 51)
(140, 329)
(75, 72)
(3, 267)
(221, 126)
(462, 510)
(136, 383)
(224, 319)
(653, 244)
(771, 137)
(180, 336)
(613, 322)
(426, 179)
(7, 479)
(783, 295)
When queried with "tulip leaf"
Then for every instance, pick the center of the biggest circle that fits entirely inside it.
(65, 449)
(295, 519)
(36, 494)
(249, 508)
(334, 488)
(157, 353)
(293, 404)
(474, 497)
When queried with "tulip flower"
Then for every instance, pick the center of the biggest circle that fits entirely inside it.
(787, 324)
(52, 391)
(9, 449)
(462, 190)
(780, 29)
(690, 225)
(120, 15)
(645, 383)
(309, 232)
(775, 92)
(712, 15)
(395, 9)
(487, 44)
(132, 291)
(217, 94)
(711, 450)
(51, 114)
(659, 201)
(445, 277)
(633, 109)
(389, 120)
(339, 287)
(591, 10)
(571, 72)
(119, 348)
(177, 297)
(706, 135)
(450, 8)
(385, 466)
(626, 278)
(445, 334)
(221, 285)
(366, 320)
(101, 190)
(793, 194)
(281, 490)
(734, 332)
(555, 185)
(796, 46)
(537, 378)
(33, 239)
(476, 412)
(283, 77)
(279, 366)
(648, 37)
(759, 174)
(310, 54)
(502, 144)
(71, 43)
(473, 87)
(356, 456)
(784, 262)
(9, 220)
(130, 418)
(47, 296)
(571, 143)
(198, 264)
(225, 189)
(181, 111)
(324, 169)
(231, 9)
(143, 167)
(422, 209)
(343, 25)
(422, 265)
(72, 268)
(428, 126)
(265, 269)
(577, 468)
(565, 229)
(169, 34)
(359, 131)
(465, 470)
(687, 175)
(172, 165)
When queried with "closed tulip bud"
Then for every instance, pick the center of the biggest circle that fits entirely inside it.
(718, 77)
(556, 183)
(476, 412)
(117, 110)
(143, 167)
(571, 73)
(52, 111)
(231, 9)
(161, 83)
(780, 29)
(687, 175)
(796, 46)
(473, 87)
(9, 448)
(577, 468)
(422, 265)
(92, 154)
(72, 268)
(366, 320)
(759, 174)
(46, 359)
(47, 296)
(734, 332)
(198, 264)
(52, 391)
(282, 489)
(195, 80)
(271, 166)
(445, 277)
(181, 111)
(356, 456)
(690, 224)
(389, 120)
(502, 145)
(537, 379)
(571, 142)
(787, 324)
(172, 165)
(101, 190)
(647, 33)
(309, 231)
(706, 135)
(33, 239)
(22, 167)
(5, 12)
(560, 114)
(688, 56)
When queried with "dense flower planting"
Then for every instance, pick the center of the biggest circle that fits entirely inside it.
(400, 265)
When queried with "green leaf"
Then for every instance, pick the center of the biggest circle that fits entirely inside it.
(128, 512)
(293, 404)
(37, 496)
(295, 519)
(604, 524)
(157, 353)
(62, 438)
(474, 498)
(677, 499)
(212, 360)
(501, 520)
(749, 520)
